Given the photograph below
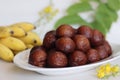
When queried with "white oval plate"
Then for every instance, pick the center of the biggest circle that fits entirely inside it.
(21, 60)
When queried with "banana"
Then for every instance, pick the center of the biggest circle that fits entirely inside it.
(29, 46)
(26, 26)
(16, 52)
(31, 38)
(13, 43)
(5, 32)
(6, 54)
(17, 31)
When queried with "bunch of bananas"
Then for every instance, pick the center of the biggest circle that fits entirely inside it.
(16, 38)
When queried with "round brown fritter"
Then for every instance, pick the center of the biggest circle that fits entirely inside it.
(35, 47)
(102, 52)
(82, 43)
(49, 39)
(108, 48)
(65, 31)
(97, 38)
(76, 32)
(86, 31)
(77, 58)
(56, 59)
(65, 44)
(38, 57)
(93, 56)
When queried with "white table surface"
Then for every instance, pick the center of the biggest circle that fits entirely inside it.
(12, 11)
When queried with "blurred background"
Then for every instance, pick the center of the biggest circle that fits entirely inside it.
(14, 11)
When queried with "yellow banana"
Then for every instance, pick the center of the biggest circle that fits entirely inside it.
(16, 52)
(5, 32)
(17, 31)
(29, 46)
(26, 26)
(5, 53)
(13, 43)
(31, 38)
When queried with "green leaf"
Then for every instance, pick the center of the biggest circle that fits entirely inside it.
(79, 7)
(104, 20)
(104, 16)
(96, 0)
(112, 14)
(98, 26)
(104, 9)
(70, 19)
(89, 0)
(114, 4)
(84, 0)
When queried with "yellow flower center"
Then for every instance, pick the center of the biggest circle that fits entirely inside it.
(101, 74)
(107, 68)
(115, 69)
(48, 9)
